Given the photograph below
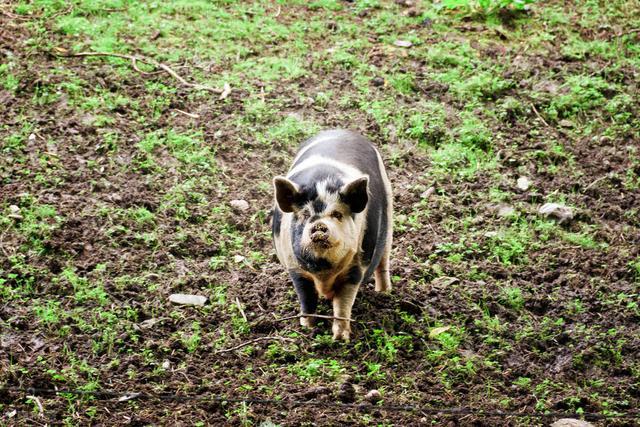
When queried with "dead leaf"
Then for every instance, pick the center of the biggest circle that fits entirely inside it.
(437, 331)
(226, 90)
(403, 43)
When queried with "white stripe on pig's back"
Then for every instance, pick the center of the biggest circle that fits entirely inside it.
(349, 172)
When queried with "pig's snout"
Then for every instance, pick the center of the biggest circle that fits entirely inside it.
(319, 227)
(320, 235)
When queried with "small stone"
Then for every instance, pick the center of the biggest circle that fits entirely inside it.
(32, 137)
(412, 12)
(15, 212)
(523, 183)
(403, 43)
(239, 205)
(555, 210)
(571, 422)
(373, 396)
(149, 323)
(377, 81)
(87, 120)
(427, 193)
(566, 123)
(166, 364)
(185, 299)
(505, 211)
(490, 234)
(238, 258)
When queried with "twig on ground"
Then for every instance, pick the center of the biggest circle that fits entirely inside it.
(319, 316)
(244, 316)
(134, 64)
(244, 344)
(40, 408)
(626, 33)
(596, 181)
(535, 110)
(150, 61)
(192, 115)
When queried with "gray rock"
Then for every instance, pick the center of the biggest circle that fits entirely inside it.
(185, 299)
(523, 183)
(373, 396)
(571, 422)
(150, 323)
(427, 193)
(555, 210)
(505, 211)
(239, 205)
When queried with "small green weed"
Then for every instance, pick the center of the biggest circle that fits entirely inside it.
(310, 369)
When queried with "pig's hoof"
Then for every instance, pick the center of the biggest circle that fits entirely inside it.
(383, 287)
(307, 322)
(341, 331)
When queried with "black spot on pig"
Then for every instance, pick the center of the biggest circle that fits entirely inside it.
(306, 291)
(354, 275)
(276, 221)
(318, 206)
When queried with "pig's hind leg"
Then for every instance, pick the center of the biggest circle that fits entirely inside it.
(381, 274)
(308, 297)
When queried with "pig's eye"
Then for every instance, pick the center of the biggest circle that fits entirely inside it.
(303, 214)
(337, 215)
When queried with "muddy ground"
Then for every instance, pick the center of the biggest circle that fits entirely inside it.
(115, 191)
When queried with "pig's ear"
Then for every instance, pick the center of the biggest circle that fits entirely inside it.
(286, 192)
(355, 194)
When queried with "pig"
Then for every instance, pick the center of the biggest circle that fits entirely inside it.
(332, 223)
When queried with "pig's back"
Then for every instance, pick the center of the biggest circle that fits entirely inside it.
(343, 146)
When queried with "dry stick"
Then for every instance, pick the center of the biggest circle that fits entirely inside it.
(596, 181)
(134, 64)
(244, 316)
(244, 344)
(193, 116)
(35, 399)
(626, 33)
(535, 110)
(319, 316)
(156, 64)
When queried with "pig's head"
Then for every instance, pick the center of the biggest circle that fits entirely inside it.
(325, 228)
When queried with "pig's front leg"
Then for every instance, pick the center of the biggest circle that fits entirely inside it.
(307, 295)
(342, 304)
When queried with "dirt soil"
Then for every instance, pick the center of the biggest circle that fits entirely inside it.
(85, 290)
